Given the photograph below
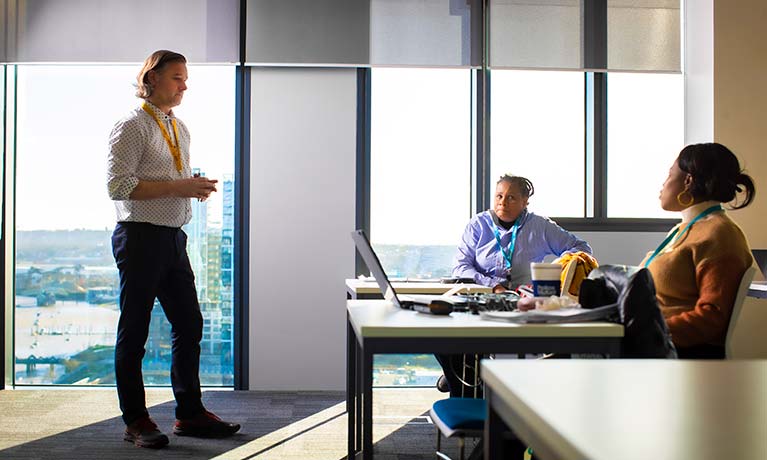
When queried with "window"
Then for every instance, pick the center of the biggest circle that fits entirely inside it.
(645, 122)
(66, 282)
(420, 179)
(538, 132)
(420, 168)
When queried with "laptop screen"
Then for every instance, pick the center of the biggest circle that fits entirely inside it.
(760, 256)
(371, 260)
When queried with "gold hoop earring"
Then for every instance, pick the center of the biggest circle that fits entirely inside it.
(683, 203)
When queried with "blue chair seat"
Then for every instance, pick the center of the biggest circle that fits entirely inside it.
(465, 416)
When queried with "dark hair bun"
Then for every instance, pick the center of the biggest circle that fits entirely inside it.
(716, 174)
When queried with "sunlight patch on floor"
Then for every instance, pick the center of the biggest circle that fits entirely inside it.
(323, 434)
(60, 408)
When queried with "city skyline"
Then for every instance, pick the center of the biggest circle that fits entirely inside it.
(67, 311)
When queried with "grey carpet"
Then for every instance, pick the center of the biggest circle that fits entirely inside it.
(85, 424)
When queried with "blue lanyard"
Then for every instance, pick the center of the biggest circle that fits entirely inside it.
(507, 255)
(668, 239)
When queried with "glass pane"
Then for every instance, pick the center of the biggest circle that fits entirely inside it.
(420, 186)
(66, 281)
(537, 131)
(420, 168)
(645, 123)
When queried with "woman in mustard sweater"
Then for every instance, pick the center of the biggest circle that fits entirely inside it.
(698, 267)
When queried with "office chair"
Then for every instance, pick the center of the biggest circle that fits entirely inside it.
(459, 418)
(745, 334)
(462, 417)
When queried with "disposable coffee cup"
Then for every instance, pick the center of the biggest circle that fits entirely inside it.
(545, 279)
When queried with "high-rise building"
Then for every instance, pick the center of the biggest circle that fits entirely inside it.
(227, 272)
(197, 243)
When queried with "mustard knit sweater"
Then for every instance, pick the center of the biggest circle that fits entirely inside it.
(697, 280)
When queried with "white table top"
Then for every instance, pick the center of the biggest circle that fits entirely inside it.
(379, 318)
(638, 409)
(411, 287)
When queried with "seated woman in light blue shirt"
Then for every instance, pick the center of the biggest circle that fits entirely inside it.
(496, 250)
(499, 244)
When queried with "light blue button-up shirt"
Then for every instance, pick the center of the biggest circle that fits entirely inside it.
(480, 258)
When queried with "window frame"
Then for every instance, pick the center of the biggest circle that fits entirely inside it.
(595, 148)
(240, 260)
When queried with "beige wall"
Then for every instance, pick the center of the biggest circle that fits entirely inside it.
(740, 99)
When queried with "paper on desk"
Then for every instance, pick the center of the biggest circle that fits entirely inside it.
(400, 279)
(759, 285)
(563, 315)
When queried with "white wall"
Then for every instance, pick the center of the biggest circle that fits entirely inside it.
(699, 71)
(622, 247)
(303, 134)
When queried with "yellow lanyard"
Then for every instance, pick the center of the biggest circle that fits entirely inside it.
(175, 149)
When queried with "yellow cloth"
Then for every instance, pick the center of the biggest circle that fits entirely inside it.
(584, 263)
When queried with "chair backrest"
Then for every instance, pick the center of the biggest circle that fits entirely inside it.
(740, 336)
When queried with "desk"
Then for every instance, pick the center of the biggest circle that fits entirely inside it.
(358, 289)
(757, 289)
(629, 409)
(376, 326)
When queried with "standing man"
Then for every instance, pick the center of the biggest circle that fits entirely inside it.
(150, 180)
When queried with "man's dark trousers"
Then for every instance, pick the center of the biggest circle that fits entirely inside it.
(153, 263)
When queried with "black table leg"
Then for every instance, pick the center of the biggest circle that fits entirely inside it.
(351, 389)
(494, 429)
(367, 404)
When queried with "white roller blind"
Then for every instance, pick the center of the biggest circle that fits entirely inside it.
(363, 32)
(7, 28)
(535, 34)
(313, 32)
(644, 35)
(424, 32)
(120, 30)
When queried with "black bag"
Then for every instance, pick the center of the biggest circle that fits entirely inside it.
(646, 334)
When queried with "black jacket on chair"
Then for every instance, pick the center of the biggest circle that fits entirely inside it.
(646, 334)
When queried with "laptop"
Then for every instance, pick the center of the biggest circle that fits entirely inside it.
(414, 302)
(760, 256)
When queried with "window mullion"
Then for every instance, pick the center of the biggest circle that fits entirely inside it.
(363, 161)
(594, 13)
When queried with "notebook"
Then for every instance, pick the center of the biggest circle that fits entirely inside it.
(376, 269)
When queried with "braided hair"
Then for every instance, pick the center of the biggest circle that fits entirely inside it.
(523, 184)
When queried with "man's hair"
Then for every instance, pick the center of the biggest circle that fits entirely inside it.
(155, 62)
